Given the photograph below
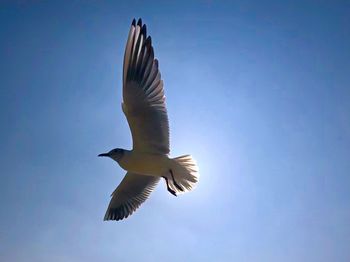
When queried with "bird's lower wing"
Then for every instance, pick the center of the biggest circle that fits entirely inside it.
(129, 195)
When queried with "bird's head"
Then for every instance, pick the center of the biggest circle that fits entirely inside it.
(116, 154)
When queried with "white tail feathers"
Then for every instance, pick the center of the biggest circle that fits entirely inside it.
(184, 174)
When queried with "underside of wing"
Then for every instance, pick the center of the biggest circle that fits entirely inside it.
(143, 93)
(129, 195)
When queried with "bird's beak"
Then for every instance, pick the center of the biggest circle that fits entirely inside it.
(104, 154)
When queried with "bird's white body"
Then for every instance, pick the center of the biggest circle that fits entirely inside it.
(145, 163)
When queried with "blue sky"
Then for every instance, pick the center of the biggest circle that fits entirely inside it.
(257, 91)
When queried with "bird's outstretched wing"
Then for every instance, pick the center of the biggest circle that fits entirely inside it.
(143, 94)
(129, 195)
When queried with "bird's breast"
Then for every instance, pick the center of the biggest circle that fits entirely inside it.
(145, 163)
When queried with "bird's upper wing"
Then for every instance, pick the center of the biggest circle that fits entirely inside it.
(129, 195)
(143, 94)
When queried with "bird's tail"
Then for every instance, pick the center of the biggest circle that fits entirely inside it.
(183, 174)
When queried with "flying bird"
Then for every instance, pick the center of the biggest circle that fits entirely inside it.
(144, 107)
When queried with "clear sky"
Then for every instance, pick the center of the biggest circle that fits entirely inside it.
(258, 92)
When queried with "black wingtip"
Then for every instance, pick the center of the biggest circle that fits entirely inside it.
(139, 22)
(133, 22)
(148, 41)
(144, 30)
(151, 51)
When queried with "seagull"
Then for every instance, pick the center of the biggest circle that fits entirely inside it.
(144, 107)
